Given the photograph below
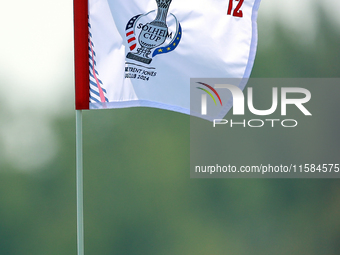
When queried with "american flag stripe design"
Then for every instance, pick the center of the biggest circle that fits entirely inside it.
(130, 34)
(97, 93)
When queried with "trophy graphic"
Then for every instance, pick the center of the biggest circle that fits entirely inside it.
(153, 34)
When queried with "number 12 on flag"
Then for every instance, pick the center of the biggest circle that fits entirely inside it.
(237, 11)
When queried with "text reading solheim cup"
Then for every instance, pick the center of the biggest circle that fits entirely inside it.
(264, 169)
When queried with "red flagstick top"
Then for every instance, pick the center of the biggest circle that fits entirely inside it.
(81, 55)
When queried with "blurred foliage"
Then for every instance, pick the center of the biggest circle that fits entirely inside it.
(139, 198)
(286, 57)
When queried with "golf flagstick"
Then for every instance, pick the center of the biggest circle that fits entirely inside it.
(80, 199)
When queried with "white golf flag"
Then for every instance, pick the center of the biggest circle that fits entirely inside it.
(144, 52)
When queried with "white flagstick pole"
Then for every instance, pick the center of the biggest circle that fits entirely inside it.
(80, 200)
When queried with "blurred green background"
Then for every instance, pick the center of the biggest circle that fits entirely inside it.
(139, 198)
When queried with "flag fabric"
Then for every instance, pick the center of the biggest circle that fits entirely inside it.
(97, 92)
(144, 52)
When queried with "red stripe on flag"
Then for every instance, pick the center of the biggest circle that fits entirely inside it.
(81, 54)
(133, 47)
(131, 39)
(130, 33)
(101, 93)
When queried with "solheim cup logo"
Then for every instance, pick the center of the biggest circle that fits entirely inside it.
(152, 34)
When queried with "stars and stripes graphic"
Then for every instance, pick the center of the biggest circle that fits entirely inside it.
(172, 45)
(130, 33)
(97, 93)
